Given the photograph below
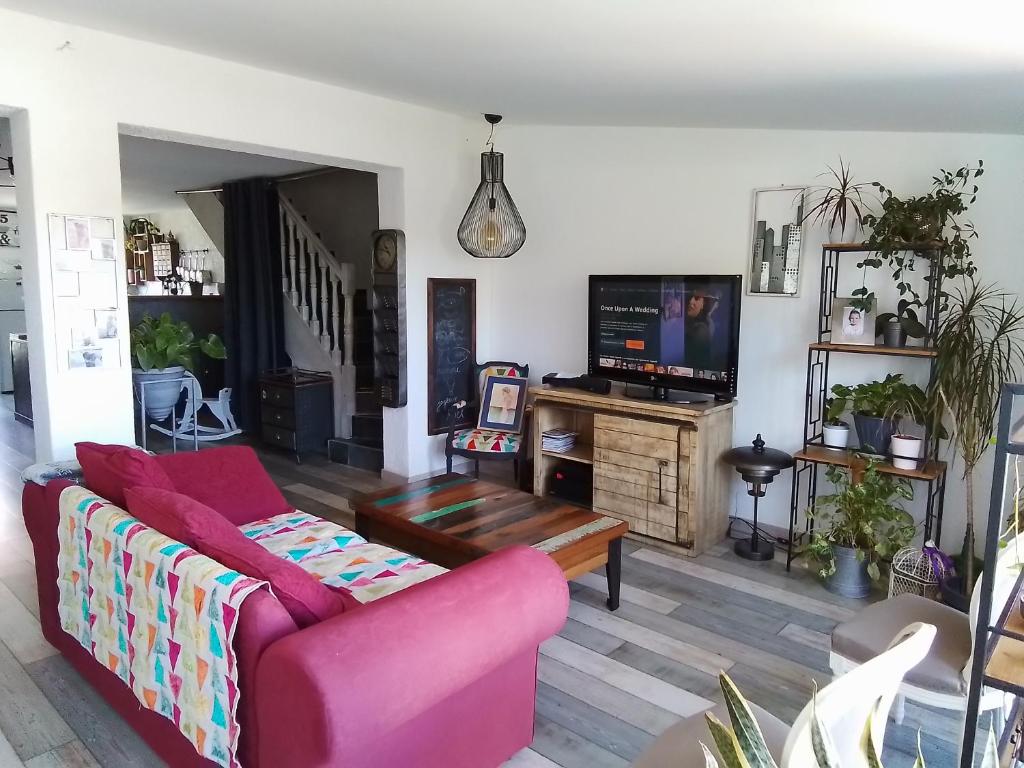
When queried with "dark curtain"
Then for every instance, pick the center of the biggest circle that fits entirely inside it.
(253, 301)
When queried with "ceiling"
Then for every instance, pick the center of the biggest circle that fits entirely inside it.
(936, 65)
(151, 171)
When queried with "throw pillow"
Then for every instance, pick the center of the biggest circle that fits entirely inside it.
(230, 479)
(196, 525)
(110, 469)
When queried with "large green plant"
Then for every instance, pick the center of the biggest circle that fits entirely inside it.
(891, 398)
(743, 745)
(159, 343)
(909, 226)
(862, 516)
(979, 346)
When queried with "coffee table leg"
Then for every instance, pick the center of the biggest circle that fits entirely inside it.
(613, 569)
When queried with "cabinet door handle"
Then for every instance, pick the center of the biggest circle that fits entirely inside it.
(661, 465)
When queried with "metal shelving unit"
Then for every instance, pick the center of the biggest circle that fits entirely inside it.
(1001, 666)
(819, 355)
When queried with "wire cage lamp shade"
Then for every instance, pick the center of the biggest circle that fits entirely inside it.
(492, 227)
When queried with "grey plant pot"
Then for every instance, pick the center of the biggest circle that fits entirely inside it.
(851, 577)
(893, 334)
(162, 387)
(875, 433)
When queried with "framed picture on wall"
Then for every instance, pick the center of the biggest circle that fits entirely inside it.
(776, 241)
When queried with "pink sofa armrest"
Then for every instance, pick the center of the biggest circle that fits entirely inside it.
(351, 679)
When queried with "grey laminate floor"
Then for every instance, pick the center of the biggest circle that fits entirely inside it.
(609, 683)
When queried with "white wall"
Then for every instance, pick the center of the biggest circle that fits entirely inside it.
(185, 227)
(656, 201)
(77, 97)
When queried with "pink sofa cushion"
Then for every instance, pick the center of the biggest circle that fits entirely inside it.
(110, 469)
(229, 479)
(196, 525)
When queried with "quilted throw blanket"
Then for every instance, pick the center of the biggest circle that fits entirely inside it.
(157, 614)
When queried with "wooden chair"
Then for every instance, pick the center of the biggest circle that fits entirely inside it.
(482, 444)
(941, 680)
(843, 707)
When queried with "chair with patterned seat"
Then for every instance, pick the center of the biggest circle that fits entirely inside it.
(481, 444)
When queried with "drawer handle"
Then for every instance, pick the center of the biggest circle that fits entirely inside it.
(277, 416)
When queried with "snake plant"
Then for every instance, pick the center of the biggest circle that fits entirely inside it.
(743, 745)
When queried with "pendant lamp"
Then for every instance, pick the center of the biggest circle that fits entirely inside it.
(492, 227)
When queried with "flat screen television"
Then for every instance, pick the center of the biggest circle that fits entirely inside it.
(669, 332)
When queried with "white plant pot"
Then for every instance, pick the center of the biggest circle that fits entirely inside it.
(905, 445)
(836, 436)
(162, 389)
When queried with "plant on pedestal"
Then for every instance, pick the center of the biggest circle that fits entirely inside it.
(162, 350)
(858, 527)
(979, 346)
(878, 407)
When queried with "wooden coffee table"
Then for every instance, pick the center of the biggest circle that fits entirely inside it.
(454, 519)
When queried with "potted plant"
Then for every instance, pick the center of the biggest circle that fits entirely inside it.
(911, 227)
(878, 407)
(835, 433)
(162, 350)
(906, 450)
(859, 526)
(979, 347)
(895, 327)
(742, 743)
(838, 203)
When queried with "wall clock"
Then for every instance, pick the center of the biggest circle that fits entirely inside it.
(388, 311)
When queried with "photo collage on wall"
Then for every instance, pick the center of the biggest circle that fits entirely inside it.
(85, 290)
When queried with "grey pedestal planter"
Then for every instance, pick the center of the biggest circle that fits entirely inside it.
(162, 389)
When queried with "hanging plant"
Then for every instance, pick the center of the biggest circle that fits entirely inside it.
(839, 203)
(933, 223)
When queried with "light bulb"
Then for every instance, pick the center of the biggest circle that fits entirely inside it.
(490, 234)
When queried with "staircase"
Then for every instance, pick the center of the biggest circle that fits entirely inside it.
(365, 448)
(319, 310)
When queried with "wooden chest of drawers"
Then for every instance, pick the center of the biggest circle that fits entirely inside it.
(297, 410)
(655, 465)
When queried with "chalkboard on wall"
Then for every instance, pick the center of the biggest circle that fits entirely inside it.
(451, 350)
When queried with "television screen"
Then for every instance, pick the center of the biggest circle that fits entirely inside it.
(677, 332)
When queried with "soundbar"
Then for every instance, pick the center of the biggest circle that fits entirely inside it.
(589, 383)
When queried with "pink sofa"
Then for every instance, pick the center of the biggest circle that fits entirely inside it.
(442, 673)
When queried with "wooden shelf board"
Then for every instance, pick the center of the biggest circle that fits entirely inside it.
(584, 454)
(875, 349)
(929, 245)
(1005, 667)
(819, 454)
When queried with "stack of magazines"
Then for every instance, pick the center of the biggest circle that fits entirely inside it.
(558, 440)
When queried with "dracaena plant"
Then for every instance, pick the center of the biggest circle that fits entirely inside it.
(159, 343)
(840, 202)
(742, 745)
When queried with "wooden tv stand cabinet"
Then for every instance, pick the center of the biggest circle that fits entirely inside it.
(657, 465)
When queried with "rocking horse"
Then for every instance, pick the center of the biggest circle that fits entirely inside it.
(188, 426)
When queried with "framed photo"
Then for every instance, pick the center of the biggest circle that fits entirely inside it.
(102, 249)
(503, 404)
(78, 234)
(776, 241)
(851, 323)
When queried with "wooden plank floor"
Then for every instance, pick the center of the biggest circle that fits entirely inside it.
(608, 684)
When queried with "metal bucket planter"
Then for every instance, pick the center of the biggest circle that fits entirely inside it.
(851, 577)
(875, 433)
(158, 389)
